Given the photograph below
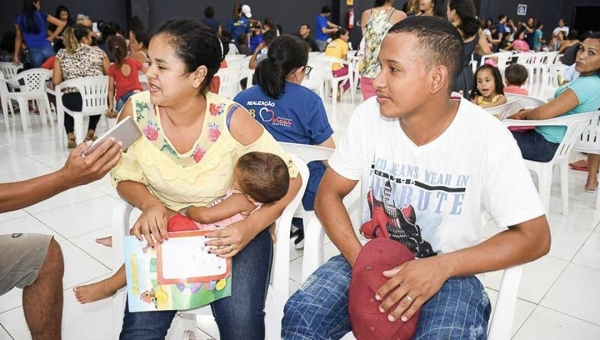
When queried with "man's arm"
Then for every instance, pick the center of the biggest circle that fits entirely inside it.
(330, 210)
(78, 170)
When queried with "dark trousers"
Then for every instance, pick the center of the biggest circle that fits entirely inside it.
(74, 102)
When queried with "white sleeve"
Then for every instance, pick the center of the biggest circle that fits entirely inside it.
(348, 158)
(508, 192)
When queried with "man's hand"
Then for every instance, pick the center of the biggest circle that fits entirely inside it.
(411, 284)
(80, 169)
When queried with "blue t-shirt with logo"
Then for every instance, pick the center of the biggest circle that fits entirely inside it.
(34, 39)
(298, 116)
(240, 26)
(321, 23)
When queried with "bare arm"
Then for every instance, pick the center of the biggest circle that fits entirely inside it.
(59, 26)
(482, 46)
(232, 205)
(565, 102)
(18, 42)
(364, 18)
(252, 62)
(333, 215)
(105, 64)
(57, 76)
(78, 170)
(111, 93)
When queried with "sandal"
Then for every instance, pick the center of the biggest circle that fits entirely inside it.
(591, 191)
(71, 144)
(581, 164)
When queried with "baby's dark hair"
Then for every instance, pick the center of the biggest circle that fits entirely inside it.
(516, 74)
(497, 80)
(265, 176)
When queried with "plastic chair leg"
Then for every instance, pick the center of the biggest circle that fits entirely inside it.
(564, 188)
(545, 185)
(24, 112)
(79, 131)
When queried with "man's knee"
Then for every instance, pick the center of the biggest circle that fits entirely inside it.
(54, 265)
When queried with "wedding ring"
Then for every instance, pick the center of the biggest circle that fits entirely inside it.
(409, 298)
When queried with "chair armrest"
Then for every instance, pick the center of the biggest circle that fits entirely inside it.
(524, 122)
(120, 229)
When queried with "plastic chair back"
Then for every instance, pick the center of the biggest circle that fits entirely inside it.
(34, 80)
(94, 93)
(9, 70)
(589, 141)
(505, 110)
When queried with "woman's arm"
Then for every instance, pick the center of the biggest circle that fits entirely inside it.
(105, 64)
(57, 76)
(482, 44)
(111, 95)
(59, 26)
(397, 17)
(565, 102)
(18, 42)
(364, 19)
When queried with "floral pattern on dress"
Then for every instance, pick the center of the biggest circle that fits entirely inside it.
(168, 148)
(375, 31)
(140, 107)
(151, 131)
(199, 154)
(214, 132)
(216, 109)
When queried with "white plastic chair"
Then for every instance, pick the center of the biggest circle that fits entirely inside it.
(229, 86)
(316, 79)
(94, 94)
(575, 125)
(502, 60)
(505, 110)
(525, 102)
(589, 142)
(9, 70)
(278, 291)
(32, 86)
(333, 82)
(6, 101)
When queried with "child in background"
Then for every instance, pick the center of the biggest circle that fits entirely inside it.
(338, 48)
(488, 90)
(259, 179)
(515, 76)
(520, 45)
(123, 75)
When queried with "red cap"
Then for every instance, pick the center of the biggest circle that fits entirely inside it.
(377, 256)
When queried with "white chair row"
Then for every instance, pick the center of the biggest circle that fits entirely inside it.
(589, 142)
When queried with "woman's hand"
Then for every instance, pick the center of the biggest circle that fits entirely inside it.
(231, 240)
(152, 224)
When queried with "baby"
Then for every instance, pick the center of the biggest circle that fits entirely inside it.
(259, 179)
(515, 76)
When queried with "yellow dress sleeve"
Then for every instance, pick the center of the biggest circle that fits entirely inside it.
(128, 168)
(266, 143)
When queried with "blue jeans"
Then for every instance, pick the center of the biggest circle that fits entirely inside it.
(535, 147)
(319, 309)
(240, 316)
(121, 102)
(37, 56)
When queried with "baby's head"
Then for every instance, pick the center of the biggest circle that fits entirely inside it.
(488, 81)
(264, 177)
(516, 75)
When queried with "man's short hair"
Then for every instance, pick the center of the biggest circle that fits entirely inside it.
(516, 74)
(326, 9)
(305, 24)
(501, 16)
(439, 43)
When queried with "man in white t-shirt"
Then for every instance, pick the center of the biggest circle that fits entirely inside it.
(561, 27)
(429, 163)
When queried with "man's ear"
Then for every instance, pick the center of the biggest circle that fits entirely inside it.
(439, 79)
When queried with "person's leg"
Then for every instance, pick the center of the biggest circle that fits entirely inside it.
(92, 124)
(593, 165)
(146, 325)
(460, 310)
(35, 263)
(319, 309)
(101, 289)
(73, 102)
(241, 316)
(534, 147)
(366, 87)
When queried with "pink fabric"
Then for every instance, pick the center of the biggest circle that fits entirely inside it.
(520, 45)
(516, 90)
(340, 73)
(366, 87)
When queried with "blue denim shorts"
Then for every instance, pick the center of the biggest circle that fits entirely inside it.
(121, 102)
(319, 309)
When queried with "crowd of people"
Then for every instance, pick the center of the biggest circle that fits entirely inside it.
(424, 182)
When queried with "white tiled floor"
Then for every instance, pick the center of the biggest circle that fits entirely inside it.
(558, 296)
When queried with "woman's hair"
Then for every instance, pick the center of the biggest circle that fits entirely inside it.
(499, 86)
(488, 23)
(516, 74)
(209, 12)
(106, 30)
(143, 37)
(337, 34)
(286, 54)
(519, 32)
(8, 41)
(562, 34)
(265, 176)
(595, 36)
(379, 3)
(118, 47)
(195, 45)
(271, 23)
(73, 36)
(237, 11)
(136, 24)
(439, 9)
(60, 9)
(29, 22)
(465, 10)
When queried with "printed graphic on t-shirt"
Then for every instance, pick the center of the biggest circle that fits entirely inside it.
(267, 113)
(408, 204)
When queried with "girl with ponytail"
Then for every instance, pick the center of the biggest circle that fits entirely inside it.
(287, 110)
(78, 60)
(123, 75)
(30, 27)
(461, 13)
